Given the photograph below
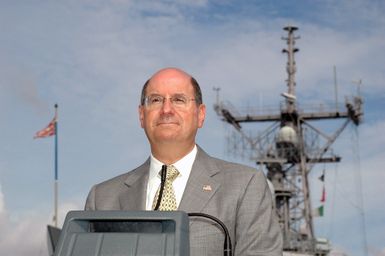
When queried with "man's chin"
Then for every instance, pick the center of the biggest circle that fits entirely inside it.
(166, 137)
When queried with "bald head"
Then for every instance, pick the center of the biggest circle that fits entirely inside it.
(170, 73)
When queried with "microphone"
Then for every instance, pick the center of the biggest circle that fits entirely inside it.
(163, 176)
(227, 248)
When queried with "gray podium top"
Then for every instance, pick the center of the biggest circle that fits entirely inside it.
(131, 233)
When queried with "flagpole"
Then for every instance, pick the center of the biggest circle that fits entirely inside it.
(56, 168)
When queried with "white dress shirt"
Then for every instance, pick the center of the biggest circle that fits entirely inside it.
(184, 166)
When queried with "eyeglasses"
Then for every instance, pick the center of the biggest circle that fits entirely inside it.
(179, 101)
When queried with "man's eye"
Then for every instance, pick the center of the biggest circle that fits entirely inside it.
(180, 100)
(156, 100)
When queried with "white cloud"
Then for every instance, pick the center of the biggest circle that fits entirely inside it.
(377, 251)
(26, 234)
(338, 252)
(2, 203)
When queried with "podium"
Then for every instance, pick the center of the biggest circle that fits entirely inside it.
(128, 233)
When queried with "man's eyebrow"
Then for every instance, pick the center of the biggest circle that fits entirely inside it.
(174, 94)
(179, 94)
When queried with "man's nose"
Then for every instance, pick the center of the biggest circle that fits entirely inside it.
(167, 105)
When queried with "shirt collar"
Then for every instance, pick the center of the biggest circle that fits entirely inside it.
(183, 165)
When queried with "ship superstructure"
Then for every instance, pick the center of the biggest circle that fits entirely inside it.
(288, 149)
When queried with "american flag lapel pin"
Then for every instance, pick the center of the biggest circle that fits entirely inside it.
(207, 188)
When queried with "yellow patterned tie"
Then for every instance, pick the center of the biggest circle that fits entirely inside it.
(168, 202)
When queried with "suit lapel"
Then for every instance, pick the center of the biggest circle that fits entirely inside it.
(201, 185)
(134, 196)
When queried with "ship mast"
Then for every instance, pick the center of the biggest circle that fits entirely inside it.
(290, 68)
(287, 151)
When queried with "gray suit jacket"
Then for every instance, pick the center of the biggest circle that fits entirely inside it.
(236, 194)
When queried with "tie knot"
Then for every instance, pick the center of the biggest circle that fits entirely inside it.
(172, 173)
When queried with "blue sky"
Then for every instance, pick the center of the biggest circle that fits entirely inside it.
(92, 58)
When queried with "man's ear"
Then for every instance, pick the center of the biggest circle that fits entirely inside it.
(201, 115)
(141, 115)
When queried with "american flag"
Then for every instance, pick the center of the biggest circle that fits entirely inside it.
(47, 131)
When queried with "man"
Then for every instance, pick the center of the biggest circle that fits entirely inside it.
(170, 112)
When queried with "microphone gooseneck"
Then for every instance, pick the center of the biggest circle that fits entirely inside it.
(227, 248)
(163, 176)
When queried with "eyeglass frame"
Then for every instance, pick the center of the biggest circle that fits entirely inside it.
(184, 104)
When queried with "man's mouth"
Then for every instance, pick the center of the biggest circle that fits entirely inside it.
(166, 123)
